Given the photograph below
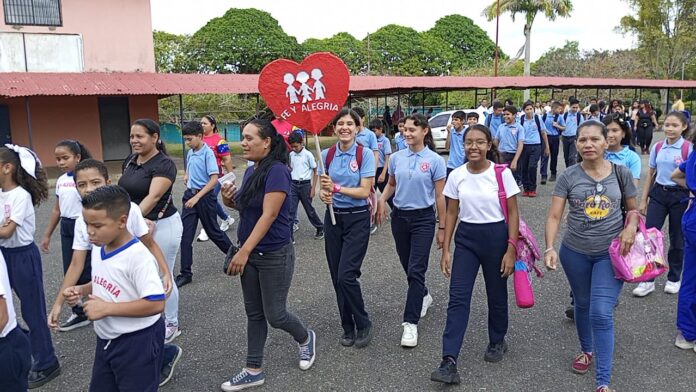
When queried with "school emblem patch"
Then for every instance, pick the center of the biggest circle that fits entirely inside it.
(353, 165)
(425, 166)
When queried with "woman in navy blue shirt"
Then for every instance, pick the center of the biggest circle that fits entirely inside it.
(266, 257)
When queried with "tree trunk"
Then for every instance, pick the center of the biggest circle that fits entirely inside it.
(527, 54)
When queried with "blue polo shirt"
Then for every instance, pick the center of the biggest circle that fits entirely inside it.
(571, 123)
(550, 118)
(508, 136)
(689, 168)
(456, 152)
(625, 157)
(493, 122)
(667, 161)
(200, 165)
(531, 130)
(280, 233)
(400, 142)
(344, 171)
(368, 139)
(416, 174)
(383, 149)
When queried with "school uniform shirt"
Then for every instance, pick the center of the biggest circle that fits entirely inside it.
(136, 179)
(548, 123)
(572, 123)
(219, 146)
(400, 142)
(280, 233)
(17, 207)
(625, 157)
(478, 193)
(345, 172)
(493, 122)
(135, 224)
(69, 200)
(532, 133)
(368, 139)
(383, 149)
(508, 136)
(6, 294)
(669, 158)
(416, 173)
(200, 165)
(302, 164)
(687, 167)
(126, 274)
(456, 152)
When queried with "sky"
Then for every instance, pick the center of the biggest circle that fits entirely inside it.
(592, 23)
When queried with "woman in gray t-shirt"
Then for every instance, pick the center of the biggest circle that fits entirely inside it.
(593, 191)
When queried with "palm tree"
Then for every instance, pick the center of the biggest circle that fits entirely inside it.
(530, 9)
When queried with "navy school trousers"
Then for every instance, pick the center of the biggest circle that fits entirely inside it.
(67, 235)
(15, 361)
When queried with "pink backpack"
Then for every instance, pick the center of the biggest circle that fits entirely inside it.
(527, 246)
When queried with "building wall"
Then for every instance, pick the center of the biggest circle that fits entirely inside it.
(115, 36)
(57, 118)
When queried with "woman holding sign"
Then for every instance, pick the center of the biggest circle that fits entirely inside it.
(346, 183)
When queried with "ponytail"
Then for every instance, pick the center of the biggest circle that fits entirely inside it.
(152, 128)
(76, 148)
(37, 187)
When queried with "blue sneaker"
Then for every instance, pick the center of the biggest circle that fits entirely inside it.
(308, 351)
(243, 380)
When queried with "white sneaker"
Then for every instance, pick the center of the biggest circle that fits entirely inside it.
(295, 227)
(373, 229)
(226, 224)
(409, 338)
(672, 287)
(683, 343)
(203, 236)
(171, 332)
(644, 289)
(427, 301)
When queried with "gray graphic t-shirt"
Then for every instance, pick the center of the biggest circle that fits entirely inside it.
(594, 208)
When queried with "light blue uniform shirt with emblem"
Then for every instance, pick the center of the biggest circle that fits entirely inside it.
(344, 171)
(625, 157)
(571, 123)
(531, 130)
(200, 165)
(383, 149)
(416, 174)
(495, 123)
(400, 142)
(456, 152)
(669, 158)
(508, 136)
(550, 118)
(368, 139)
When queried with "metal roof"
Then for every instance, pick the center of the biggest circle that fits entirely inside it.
(24, 84)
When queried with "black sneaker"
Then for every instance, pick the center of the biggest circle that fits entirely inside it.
(41, 377)
(363, 337)
(543, 180)
(348, 339)
(172, 354)
(182, 280)
(495, 351)
(570, 312)
(552, 178)
(319, 235)
(74, 322)
(446, 373)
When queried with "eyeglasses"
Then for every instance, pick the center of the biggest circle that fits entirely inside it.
(478, 143)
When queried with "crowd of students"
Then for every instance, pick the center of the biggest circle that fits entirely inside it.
(119, 242)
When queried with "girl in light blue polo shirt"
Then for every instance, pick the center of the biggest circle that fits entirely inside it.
(350, 171)
(662, 197)
(619, 139)
(416, 179)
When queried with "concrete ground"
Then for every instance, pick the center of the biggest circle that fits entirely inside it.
(542, 341)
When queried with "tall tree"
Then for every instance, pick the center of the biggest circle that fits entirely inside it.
(170, 52)
(350, 49)
(529, 9)
(241, 41)
(471, 45)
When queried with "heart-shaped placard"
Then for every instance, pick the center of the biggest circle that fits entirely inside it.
(307, 95)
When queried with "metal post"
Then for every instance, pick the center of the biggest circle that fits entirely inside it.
(423, 102)
(497, 23)
(609, 96)
(640, 94)
(257, 104)
(597, 94)
(576, 94)
(350, 100)
(181, 124)
(536, 95)
(29, 127)
(446, 100)
(553, 91)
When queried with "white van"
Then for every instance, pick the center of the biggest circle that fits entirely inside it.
(438, 124)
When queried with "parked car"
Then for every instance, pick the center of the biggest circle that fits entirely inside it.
(438, 124)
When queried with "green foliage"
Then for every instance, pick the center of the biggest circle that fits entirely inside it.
(530, 8)
(570, 61)
(241, 41)
(170, 52)
(350, 49)
(225, 107)
(469, 43)
(400, 50)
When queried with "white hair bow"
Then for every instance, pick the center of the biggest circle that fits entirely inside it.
(27, 159)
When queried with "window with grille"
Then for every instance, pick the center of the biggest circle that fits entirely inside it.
(33, 12)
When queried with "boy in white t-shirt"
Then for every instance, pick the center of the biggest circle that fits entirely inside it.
(15, 349)
(125, 298)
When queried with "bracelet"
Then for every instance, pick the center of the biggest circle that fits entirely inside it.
(511, 242)
(548, 250)
(336, 188)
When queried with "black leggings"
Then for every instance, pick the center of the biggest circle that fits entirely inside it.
(645, 136)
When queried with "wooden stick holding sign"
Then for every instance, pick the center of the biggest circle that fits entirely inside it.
(307, 95)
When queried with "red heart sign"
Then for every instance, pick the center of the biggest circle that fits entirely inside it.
(307, 95)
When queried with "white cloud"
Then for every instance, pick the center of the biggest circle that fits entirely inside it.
(592, 23)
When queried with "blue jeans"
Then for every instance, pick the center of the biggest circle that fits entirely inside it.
(595, 291)
(686, 307)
